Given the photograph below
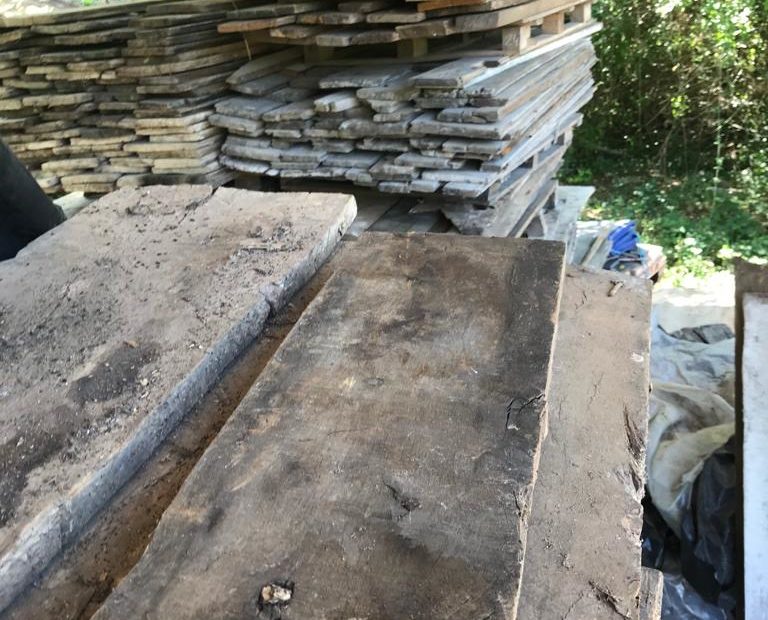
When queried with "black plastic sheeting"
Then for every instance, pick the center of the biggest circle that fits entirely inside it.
(708, 532)
(25, 211)
(700, 571)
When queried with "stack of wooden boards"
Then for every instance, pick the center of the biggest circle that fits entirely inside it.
(179, 64)
(95, 99)
(117, 95)
(482, 137)
(62, 111)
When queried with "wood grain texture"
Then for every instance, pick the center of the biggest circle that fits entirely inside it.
(651, 594)
(583, 552)
(383, 464)
(114, 324)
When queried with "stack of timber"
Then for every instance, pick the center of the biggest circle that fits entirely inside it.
(179, 65)
(62, 111)
(98, 98)
(415, 25)
(479, 138)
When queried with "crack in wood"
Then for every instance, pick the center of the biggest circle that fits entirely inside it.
(513, 409)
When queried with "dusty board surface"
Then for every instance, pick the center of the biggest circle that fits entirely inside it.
(115, 322)
(383, 463)
(754, 396)
(560, 222)
(583, 554)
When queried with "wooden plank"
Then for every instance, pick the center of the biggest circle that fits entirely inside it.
(276, 10)
(174, 307)
(83, 26)
(400, 219)
(376, 484)
(395, 17)
(264, 23)
(582, 560)
(497, 19)
(561, 221)
(651, 594)
(749, 278)
(432, 5)
(264, 65)
(754, 380)
(454, 74)
(369, 210)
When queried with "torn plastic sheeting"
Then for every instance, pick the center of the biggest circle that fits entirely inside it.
(709, 532)
(687, 424)
(682, 602)
(706, 366)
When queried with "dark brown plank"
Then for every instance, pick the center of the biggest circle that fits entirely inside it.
(382, 466)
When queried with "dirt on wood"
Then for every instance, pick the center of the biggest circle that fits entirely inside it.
(81, 578)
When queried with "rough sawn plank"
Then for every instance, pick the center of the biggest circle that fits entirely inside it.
(583, 553)
(114, 324)
(383, 464)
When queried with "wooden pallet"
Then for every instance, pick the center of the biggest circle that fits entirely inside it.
(372, 22)
(525, 37)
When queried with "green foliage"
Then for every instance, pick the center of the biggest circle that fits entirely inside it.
(702, 224)
(682, 82)
(677, 136)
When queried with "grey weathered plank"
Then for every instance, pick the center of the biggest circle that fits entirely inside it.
(560, 222)
(582, 559)
(750, 278)
(505, 218)
(114, 324)
(382, 465)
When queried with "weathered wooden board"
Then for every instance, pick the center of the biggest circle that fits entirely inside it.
(651, 594)
(749, 278)
(382, 466)
(114, 324)
(507, 215)
(560, 222)
(582, 560)
(754, 379)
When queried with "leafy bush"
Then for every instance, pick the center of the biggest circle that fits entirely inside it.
(677, 135)
(682, 82)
